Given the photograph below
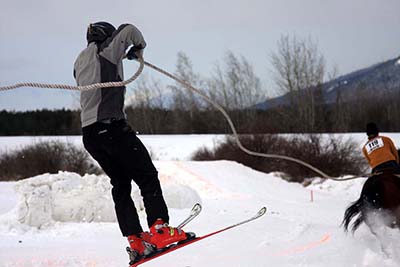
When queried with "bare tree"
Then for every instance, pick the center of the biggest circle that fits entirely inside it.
(341, 113)
(393, 111)
(146, 98)
(185, 99)
(186, 103)
(235, 86)
(147, 92)
(299, 70)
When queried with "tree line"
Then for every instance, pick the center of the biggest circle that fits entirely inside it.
(40, 122)
(346, 117)
(299, 71)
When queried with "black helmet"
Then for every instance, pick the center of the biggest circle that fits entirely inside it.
(372, 130)
(99, 31)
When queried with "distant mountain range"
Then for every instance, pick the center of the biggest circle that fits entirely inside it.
(384, 77)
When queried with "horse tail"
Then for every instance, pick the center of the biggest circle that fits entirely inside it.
(352, 211)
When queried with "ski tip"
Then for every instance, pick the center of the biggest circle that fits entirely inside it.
(262, 211)
(197, 207)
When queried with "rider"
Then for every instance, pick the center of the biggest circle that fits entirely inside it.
(380, 151)
(112, 142)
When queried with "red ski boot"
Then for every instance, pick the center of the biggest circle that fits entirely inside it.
(163, 235)
(140, 247)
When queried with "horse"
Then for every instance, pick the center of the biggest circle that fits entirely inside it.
(380, 198)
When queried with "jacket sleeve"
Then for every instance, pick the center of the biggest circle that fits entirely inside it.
(393, 149)
(126, 35)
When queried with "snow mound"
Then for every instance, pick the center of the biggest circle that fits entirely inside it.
(180, 196)
(69, 197)
(64, 197)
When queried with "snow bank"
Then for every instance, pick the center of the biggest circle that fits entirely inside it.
(69, 197)
(64, 197)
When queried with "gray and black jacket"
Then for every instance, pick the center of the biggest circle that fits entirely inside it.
(103, 63)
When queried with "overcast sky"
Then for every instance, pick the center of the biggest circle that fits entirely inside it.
(40, 39)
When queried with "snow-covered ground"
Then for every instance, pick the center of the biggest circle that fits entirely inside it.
(67, 220)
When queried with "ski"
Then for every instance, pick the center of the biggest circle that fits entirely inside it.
(195, 211)
(193, 239)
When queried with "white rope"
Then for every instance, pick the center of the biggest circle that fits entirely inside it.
(79, 88)
(187, 86)
(232, 126)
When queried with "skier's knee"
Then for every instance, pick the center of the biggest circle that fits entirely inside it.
(121, 190)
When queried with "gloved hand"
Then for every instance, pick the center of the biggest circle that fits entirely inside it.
(134, 53)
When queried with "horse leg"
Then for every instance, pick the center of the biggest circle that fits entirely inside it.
(377, 229)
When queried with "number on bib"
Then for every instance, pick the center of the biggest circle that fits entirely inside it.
(374, 145)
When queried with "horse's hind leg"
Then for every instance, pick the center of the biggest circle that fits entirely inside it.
(396, 219)
(377, 228)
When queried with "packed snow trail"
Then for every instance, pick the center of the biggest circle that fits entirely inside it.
(295, 232)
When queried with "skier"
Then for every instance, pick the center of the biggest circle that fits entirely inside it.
(380, 151)
(111, 141)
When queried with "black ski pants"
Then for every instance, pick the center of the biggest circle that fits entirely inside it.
(124, 158)
(389, 165)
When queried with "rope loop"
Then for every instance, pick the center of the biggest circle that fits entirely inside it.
(78, 88)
